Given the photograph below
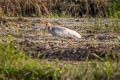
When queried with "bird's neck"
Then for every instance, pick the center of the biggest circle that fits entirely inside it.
(49, 28)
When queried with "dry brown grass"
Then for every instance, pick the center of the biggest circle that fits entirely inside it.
(59, 7)
(23, 7)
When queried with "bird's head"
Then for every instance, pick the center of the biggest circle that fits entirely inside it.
(48, 25)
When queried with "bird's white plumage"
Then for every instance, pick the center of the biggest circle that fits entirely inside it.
(74, 34)
(63, 32)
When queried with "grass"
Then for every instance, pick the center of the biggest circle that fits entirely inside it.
(114, 9)
(111, 26)
(61, 8)
(15, 65)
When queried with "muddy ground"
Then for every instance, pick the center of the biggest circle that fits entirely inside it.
(98, 37)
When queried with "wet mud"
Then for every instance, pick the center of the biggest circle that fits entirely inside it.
(96, 42)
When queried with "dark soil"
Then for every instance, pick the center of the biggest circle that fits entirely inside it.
(74, 53)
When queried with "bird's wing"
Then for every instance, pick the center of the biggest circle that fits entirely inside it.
(60, 31)
(65, 32)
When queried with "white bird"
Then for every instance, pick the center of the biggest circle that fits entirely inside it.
(62, 31)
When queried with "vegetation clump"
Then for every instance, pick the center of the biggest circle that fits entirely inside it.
(15, 65)
(61, 8)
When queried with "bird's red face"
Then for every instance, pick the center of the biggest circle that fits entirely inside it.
(48, 25)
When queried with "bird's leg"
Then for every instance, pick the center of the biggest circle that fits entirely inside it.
(58, 43)
(62, 41)
(72, 42)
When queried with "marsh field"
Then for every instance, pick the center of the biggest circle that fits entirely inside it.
(27, 53)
